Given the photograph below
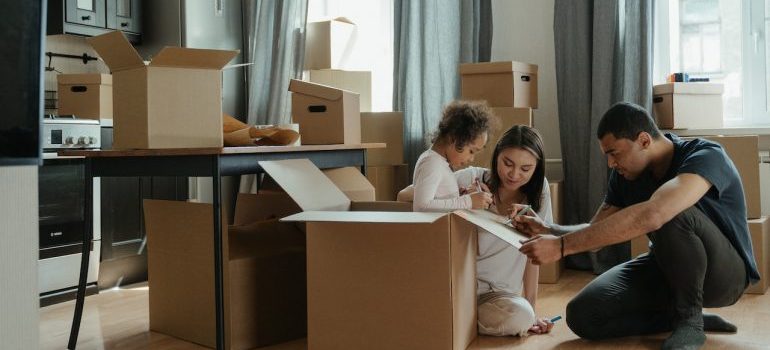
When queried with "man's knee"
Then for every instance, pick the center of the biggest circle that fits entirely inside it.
(583, 317)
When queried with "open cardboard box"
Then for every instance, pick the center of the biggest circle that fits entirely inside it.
(384, 280)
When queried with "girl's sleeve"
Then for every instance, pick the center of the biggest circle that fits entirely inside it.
(427, 177)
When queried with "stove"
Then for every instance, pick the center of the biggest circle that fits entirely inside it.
(69, 132)
(61, 206)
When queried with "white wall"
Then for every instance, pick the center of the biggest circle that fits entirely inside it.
(19, 301)
(523, 31)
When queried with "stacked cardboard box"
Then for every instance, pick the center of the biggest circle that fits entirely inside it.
(359, 82)
(506, 118)
(688, 105)
(385, 168)
(501, 84)
(550, 273)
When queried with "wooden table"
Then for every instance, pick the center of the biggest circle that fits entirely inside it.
(197, 162)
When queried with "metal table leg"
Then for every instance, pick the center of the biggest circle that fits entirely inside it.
(86, 254)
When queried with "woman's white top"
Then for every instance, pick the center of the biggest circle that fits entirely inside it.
(435, 185)
(500, 266)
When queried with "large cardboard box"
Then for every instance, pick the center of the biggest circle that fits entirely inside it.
(325, 115)
(359, 82)
(501, 84)
(688, 105)
(387, 127)
(760, 241)
(264, 275)
(85, 95)
(744, 152)
(175, 101)
(506, 118)
(550, 273)
(385, 280)
(328, 44)
(388, 180)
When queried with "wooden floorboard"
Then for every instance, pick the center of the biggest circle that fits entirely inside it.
(118, 319)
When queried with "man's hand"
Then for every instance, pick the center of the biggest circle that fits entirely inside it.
(542, 249)
(527, 223)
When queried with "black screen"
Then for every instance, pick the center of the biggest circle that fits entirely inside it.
(21, 93)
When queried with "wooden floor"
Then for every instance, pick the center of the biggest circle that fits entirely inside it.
(118, 319)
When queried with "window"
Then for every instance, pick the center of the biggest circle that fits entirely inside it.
(721, 40)
(373, 42)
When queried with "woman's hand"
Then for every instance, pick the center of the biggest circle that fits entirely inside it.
(528, 222)
(541, 326)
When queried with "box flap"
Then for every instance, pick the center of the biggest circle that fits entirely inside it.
(116, 51)
(84, 79)
(192, 58)
(343, 20)
(492, 223)
(317, 90)
(351, 182)
(306, 184)
(366, 216)
(688, 88)
(497, 67)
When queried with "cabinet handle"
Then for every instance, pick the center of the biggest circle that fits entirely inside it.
(85, 18)
(124, 24)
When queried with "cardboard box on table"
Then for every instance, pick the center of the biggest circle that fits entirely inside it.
(264, 273)
(501, 84)
(688, 105)
(384, 280)
(359, 82)
(506, 118)
(175, 101)
(85, 95)
(325, 115)
(550, 273)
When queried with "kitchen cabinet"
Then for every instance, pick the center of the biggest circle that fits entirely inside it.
(95, 17)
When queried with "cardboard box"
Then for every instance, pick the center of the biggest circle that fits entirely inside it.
(85, 95)
(744, 152)
(501, 84)
(387, 127)
(264, 276)
(760, 242)
(388, 180)
(688, 105)
(328, 44)
(550, 273)
(507, 117)
(359, 82)
(325, 115)
(175, 101)
(379, 280)
(352, 183)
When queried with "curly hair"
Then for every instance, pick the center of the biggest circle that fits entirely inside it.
(462, 122)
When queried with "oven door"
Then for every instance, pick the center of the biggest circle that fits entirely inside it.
(61, 206)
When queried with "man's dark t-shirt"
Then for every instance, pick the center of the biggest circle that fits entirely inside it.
(724, 202)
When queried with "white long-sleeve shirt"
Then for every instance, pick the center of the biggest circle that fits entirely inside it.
(500, 266)
(435, 185)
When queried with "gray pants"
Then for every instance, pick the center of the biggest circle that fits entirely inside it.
(691, 265)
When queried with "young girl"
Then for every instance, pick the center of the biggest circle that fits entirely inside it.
(506, 280)
(461, 133)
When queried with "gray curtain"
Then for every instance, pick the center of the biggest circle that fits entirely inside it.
(432, 37)
(603, 55)
(275, 44)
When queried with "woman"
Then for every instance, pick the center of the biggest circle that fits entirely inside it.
(506, 280)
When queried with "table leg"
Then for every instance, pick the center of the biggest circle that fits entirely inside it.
(218, 264)
(86, 253)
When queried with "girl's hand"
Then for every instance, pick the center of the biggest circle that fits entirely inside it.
(481, 200)
(541, 326)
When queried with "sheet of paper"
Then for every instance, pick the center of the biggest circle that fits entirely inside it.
(493, 224)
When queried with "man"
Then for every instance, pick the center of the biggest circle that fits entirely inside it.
(688, 198)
